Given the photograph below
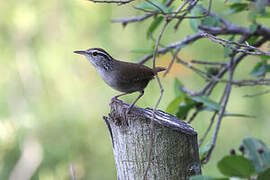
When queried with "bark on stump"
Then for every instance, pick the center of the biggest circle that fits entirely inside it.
(175, 153)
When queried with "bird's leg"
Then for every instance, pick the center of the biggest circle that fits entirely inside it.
(133, 103)
(115, 97)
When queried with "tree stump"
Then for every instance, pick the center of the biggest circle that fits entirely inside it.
(175, 153)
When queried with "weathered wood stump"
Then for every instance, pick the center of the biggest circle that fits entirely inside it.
(175, 153)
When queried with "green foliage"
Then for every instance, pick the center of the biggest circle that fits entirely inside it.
(211, 21)
(156, 6)
(208, 21)
(253, 162)
(153, 26)
(261, 68)
(207, 102)
(265, 175)
(257, 9)
(236, 166)
(258, 153)
(183, 103)
(237, 7)
(194, 23)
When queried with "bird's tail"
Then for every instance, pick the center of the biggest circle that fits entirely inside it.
(158, 69)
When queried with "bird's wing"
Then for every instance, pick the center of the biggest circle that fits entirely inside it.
(139, 73)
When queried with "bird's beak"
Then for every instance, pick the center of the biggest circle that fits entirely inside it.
(80, 52)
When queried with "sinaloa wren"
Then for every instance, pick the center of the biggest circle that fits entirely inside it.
(122, 76)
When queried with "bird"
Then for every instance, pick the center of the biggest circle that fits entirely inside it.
(122, 76)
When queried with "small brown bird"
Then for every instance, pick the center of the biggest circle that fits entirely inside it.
(122, 76)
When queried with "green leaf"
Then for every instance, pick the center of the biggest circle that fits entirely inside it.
(211, 21)
(196, 11)
(174, 104)
(151, 7)
(236, 166)
(238, 115)
(264, 57)
(153, 26)
(194, 23)
(201, 177)
(206, 101)
(159, 6)
(260, 69)
(261, 161)
(184, 108)
(238, 7)
(142, 51)
(265, 175)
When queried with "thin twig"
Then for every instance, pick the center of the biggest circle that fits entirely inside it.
(125, 21)
(197, 17)
(208, 63)
(210, 86)
(151, 136)
(251, 82)
(208, 129)
(237, 49)
(175, 54)
(198, 71)
(161, 10)
(116, 2)
(199, 93)
(226, 95)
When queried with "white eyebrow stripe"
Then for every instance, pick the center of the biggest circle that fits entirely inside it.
(103, 54)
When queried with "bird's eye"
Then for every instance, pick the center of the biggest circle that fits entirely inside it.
(94, 53)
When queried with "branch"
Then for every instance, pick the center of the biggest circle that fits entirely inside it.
(208, 63)
(226, 95)
(265, 81)
(116, 2)
(125, 21)
(237, 49)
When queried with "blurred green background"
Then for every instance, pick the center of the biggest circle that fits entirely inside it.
(52, 100)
